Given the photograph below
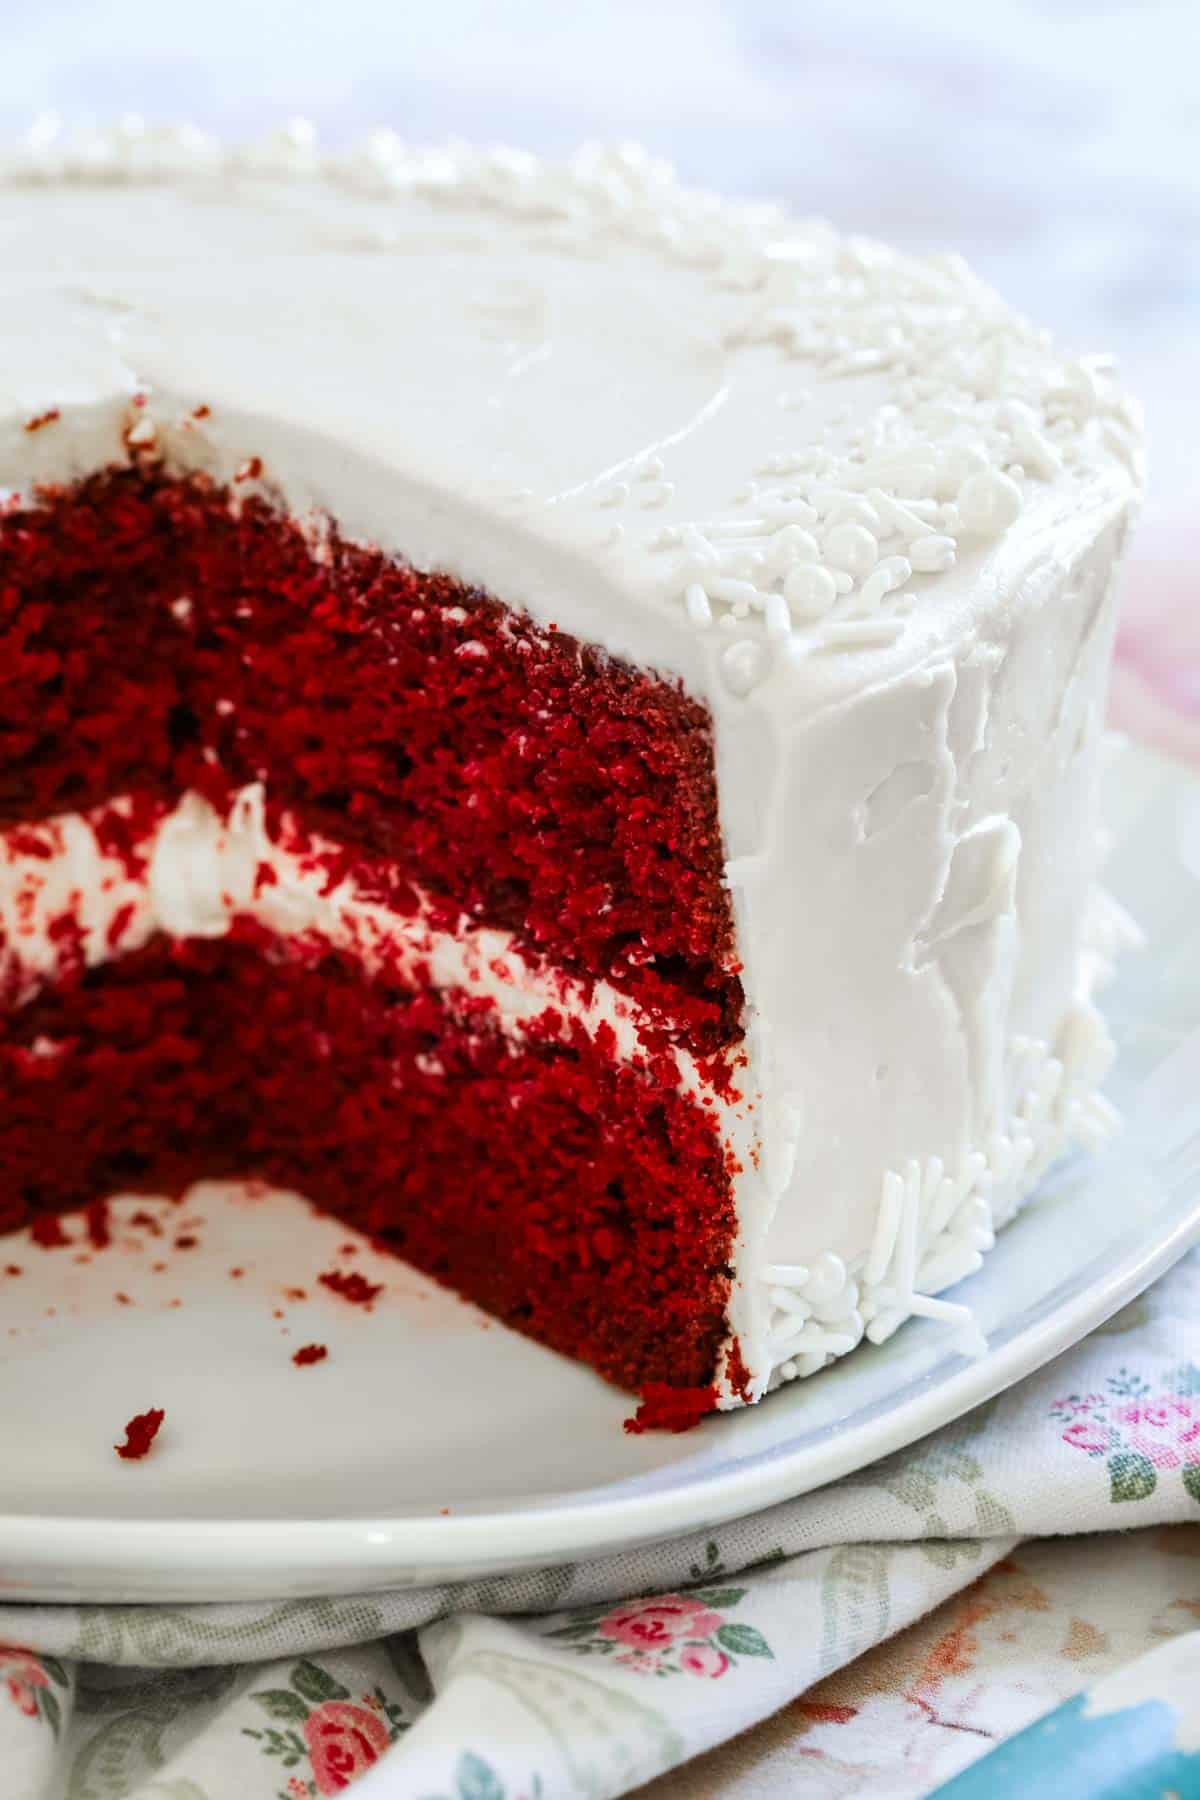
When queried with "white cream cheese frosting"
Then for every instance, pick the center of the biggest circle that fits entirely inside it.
(204, 870)
(864, 511)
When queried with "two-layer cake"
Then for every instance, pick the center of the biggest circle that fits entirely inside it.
(560, 717)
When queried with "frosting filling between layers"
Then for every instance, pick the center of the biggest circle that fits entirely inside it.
(82, 889)
(209, 1001)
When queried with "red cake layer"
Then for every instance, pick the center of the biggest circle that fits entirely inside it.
(155, 636)
(586, 1203)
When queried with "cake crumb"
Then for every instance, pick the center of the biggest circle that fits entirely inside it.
(666, 1408)
(96, 1218)
(47, 1232)
(351, 1286)
(140, 1433)
(309, 1353)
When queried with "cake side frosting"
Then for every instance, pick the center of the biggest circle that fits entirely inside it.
(859, 507)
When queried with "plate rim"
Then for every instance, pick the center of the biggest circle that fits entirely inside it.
(390, 1551)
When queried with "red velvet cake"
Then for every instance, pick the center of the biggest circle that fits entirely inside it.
(451, 767)
(523, 720)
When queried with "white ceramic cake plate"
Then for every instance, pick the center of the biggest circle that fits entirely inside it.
(432, 1445)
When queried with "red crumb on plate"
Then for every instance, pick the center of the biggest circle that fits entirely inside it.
(665, 1408)
(47, 1231)
(309, 1353)
(351, 1286)
(140, 1433)
(96, 1216)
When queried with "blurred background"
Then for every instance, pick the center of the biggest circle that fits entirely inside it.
(1055, 142)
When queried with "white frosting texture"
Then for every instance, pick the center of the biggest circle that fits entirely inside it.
(853, 502)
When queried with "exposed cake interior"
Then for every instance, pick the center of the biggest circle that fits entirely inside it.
(534, 1118)
(158, 638)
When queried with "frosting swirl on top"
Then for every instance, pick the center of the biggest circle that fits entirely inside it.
(918, 416)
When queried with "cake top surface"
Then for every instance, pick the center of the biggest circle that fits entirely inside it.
(767, 456)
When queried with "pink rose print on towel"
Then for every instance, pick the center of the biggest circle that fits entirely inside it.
(1166, 1430)
(702, 1659)
(1089, 1428)
(343, 1741)
(31, 1681)
(318, 1729)
(668, 1634)
(23, 1675)
(656, 1623)
(1139, 1433)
